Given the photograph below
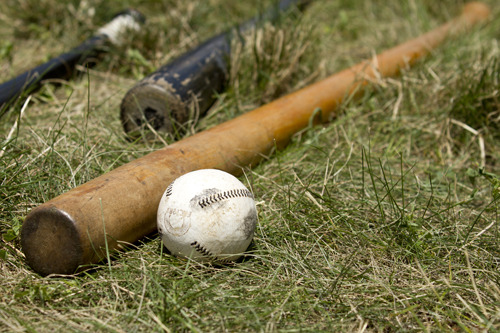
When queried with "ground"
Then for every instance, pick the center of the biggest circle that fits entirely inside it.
(385, 218)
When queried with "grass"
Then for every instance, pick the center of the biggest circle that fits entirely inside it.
(384, 220)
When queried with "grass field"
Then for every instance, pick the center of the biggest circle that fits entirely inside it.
(386, 219)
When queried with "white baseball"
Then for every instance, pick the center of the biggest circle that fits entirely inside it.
(207, 215)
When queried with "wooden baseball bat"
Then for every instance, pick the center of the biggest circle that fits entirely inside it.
(166, 98)
(62, 66)
(79, 227)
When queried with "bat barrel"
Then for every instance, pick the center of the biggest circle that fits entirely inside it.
(79, 227)
(166, 99)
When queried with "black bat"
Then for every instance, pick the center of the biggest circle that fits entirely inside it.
(162, 100)
(63, 66)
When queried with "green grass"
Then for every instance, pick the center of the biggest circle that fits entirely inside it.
(384, 220)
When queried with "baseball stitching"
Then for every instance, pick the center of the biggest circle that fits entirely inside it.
(235, 193)
(204, 251)
(168, 191)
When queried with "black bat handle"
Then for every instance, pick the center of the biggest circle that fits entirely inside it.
(63, 66)
(60, 67)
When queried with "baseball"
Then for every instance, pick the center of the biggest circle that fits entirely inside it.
(207, 215)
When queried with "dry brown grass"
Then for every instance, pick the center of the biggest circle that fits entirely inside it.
(377, 222)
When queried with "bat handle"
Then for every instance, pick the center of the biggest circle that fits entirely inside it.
(475, 12)
(129, 19)
(62, 66)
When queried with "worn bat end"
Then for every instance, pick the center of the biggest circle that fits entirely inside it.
(150, 108)
(51, 242)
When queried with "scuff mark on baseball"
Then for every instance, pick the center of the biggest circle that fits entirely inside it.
(207, 215)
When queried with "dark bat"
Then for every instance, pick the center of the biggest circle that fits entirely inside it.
(62, 66)
(80, 227)
(165, 97)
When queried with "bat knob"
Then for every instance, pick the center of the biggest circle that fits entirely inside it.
(149, 108)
